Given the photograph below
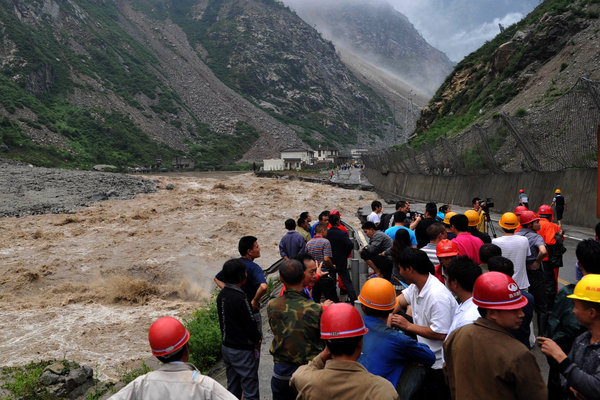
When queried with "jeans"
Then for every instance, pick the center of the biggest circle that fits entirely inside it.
(241, 368)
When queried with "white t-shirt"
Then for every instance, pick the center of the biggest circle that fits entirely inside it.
(374, 218)
(466, 313)
(516, 250)
(434, 307)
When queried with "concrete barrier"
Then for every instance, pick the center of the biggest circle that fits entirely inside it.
(578, 187)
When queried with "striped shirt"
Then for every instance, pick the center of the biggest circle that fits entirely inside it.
(319, 248)
(430, 249)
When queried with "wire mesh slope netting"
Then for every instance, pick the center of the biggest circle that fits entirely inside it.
(554, 137)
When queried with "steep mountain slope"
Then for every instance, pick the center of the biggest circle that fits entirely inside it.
(126, 82)
(529, 64)
(375, 31)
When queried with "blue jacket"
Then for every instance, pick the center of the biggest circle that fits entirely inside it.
(386, 350)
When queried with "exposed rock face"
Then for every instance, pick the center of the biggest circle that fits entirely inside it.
(185, 73)
(381, 34)
(534, 50)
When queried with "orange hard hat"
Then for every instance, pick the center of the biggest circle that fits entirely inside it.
(509, 221)
(341, 320)
(446, 248)
(497, 291)
(528, 217)
(166, 336)
(379, 294)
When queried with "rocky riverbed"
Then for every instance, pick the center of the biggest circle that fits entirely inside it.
(85, 283)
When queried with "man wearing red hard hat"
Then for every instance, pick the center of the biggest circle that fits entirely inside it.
(176, 379)
(483, 360)
(335, 373)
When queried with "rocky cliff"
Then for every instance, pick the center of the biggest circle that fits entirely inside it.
(529, 64)
(375, 31)
(126, 82)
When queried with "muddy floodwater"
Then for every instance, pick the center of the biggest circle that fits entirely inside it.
(86, 286)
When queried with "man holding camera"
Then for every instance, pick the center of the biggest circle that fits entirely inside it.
(477, 206)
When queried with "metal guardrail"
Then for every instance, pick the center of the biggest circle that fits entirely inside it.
(357, 267)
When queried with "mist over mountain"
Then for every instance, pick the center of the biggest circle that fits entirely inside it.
(377, 33)
(458, 27)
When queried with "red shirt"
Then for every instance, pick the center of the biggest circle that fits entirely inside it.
(468, 245)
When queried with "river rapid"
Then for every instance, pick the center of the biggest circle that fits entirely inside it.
(86, 286)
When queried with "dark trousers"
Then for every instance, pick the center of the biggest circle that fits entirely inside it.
(282, 390)
(537, 288)
(549, 285)
(345, 276)
(435, 386)
(241, 368)
(326, 286)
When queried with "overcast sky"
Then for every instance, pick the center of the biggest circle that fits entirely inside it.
(458, 27)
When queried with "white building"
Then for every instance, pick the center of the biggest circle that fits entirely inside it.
(273, 164)
(293, 158)
(357, 154)
(326, 154)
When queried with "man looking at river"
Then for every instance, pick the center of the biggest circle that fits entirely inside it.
(256, 284)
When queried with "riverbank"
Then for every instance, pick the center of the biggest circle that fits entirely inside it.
(86, 285)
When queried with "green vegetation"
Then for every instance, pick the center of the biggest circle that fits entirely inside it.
(24, 382)
(130, 375)
(521, 112)
(205, 336)
(220, 150)
(463, 107)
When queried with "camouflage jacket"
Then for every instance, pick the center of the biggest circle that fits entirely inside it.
(294, 320)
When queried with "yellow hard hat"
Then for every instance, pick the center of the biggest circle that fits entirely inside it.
(509, 221)
(379, 294)
(588, 289)
(557, 191)
(473, 216)
(448, 216)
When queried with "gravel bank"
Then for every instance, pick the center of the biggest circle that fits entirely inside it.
(30, 190)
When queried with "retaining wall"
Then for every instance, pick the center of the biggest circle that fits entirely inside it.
(578, 187)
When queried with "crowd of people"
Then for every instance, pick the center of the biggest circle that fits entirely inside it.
(446, 313)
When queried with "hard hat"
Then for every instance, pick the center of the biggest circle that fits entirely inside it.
(448, 216)
(166, 336)
(497, 291)
(341, 320)
(379, 294)
(520, 209)
(521, 191)
(545, 209)
(557, 191)
(587, 289)
(473, 216)
(509, 221)
(528, 217)
(335, 212)
(446, 248)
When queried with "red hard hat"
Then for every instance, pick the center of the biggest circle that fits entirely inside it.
(545, 209)
(446, 248)
(341, 320)
(527, 217)
(335, 212)
(521, 191)
(497, 291)
(519, 210)
(166, 336)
